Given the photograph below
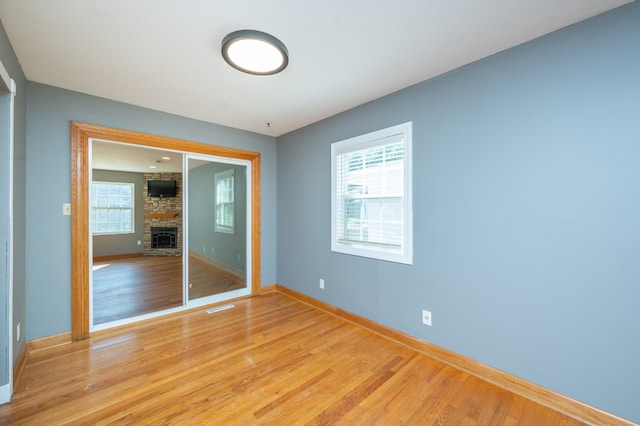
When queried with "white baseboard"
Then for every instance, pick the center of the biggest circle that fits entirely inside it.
(5, 393)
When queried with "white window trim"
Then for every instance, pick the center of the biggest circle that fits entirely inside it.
(133, 212)
(225, 229)
(405, 253)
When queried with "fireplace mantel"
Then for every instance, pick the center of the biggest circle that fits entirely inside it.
(162, 215)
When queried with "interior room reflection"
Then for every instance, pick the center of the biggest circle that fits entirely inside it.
(139, 264)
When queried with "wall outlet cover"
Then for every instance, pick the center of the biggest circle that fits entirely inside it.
(426, 317)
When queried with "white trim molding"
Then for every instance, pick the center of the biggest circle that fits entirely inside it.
(8, 85)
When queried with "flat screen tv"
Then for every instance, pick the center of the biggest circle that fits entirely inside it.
(161, 188)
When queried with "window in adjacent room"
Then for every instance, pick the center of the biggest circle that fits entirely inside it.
(112, 208)
(371, 195)
(225, 204)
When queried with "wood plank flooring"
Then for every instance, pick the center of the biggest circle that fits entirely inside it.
(124, 288)
(207, 279)
(270, 360)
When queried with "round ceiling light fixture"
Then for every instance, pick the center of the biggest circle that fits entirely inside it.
(255, 52)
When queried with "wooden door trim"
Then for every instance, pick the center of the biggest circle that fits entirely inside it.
(81, 134)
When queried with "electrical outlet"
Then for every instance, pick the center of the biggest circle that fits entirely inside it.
(426, 317)
(18, 332)
(139, 242)
(321, 283)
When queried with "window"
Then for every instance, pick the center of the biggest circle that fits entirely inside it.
(371, 195)
(225, 204)
(112, 208)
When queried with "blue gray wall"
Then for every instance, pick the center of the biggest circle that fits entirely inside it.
(48, 243)
(526, 212)
(228, 249)
(10, 62)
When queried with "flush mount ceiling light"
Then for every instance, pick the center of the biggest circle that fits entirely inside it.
(255, 52)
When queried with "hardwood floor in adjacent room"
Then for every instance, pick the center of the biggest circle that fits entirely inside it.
(124, 288)
(127, 287)
(270, 360)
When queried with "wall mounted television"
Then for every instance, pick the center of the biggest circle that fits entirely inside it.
(162, 188)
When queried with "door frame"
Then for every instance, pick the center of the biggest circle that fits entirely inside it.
(81, 134)
(8, 86)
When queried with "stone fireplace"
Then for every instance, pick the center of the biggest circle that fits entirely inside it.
(163, 219)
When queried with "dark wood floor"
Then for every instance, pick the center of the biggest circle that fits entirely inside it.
(124, 288)
(270, 360)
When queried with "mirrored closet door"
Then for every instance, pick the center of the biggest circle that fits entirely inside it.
(217, 247)
(169, 231)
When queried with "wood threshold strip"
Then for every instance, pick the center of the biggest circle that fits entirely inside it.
(538, 394)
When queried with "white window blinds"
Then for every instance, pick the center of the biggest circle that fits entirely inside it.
(371, 197)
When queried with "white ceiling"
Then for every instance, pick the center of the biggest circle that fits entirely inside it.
(109, 155)
(165, 54)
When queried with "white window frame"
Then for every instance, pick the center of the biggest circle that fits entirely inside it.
(226, 228)
(400, 252)
(132, 208)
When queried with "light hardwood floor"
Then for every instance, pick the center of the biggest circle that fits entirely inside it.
(270, 360)
(126, 287)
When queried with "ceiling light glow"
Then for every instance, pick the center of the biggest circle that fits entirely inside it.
(255, 52)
